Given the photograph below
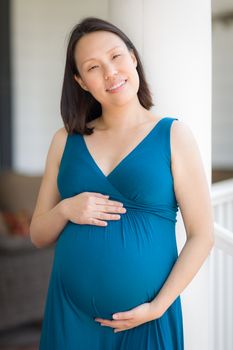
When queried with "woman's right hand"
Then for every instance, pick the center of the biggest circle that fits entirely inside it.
(92, 208)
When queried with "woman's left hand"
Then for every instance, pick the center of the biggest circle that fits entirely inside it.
(129, 319)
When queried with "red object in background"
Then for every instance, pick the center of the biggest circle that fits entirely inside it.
(18, 222)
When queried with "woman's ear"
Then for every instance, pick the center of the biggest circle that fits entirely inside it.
(80, 82)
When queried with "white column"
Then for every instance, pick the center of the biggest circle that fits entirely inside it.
(174, 40)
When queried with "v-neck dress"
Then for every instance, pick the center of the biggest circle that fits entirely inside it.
(101, 270)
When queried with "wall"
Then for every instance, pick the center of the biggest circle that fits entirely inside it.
(39, 37)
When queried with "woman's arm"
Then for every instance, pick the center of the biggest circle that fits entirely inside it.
(48, 218)
(192, 193)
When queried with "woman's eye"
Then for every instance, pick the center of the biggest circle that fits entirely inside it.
(116, 56)
(92, 67)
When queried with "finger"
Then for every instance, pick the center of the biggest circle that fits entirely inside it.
(105, 216)
(111, 209)
(110, 323)
(127, 315)
(123, 315)
(117, 324)
(93, 221)
(108, 202)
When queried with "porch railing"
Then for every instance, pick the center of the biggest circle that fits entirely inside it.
(221, 267)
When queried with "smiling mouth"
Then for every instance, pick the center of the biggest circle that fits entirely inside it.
(117, 86)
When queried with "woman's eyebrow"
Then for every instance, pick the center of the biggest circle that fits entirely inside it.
(113, 48)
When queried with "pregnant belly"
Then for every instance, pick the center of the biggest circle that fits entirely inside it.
(117, 267)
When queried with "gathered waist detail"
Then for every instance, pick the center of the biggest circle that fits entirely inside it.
(164, 211)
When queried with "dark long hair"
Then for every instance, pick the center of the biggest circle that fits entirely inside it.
(78, 106)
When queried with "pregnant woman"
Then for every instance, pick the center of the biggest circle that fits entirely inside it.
(114, 179)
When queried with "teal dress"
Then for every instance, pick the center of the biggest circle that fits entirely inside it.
(100, 270)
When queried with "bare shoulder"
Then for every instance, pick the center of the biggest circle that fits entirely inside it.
(186, 158)
(182, 138)
(58, 143)
(60, 134)
(180, 128)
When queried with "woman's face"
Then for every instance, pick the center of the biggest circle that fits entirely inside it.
(104, 61)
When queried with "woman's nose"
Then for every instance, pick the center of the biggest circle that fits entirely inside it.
(109, 72)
